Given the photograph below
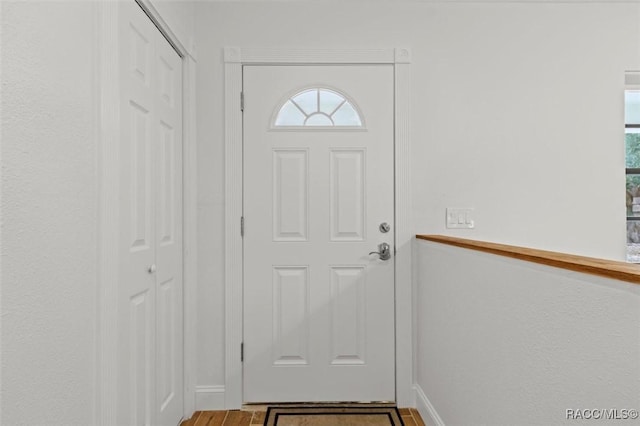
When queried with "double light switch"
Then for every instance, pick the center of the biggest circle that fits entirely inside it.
(460, 218)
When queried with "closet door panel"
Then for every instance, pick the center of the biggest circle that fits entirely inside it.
(168, 101)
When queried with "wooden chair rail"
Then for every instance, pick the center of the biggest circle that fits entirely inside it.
(589, 265)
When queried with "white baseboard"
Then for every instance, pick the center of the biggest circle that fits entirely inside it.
(209, 398)
(426, 409)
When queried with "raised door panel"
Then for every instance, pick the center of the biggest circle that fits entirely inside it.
(290, 315)
(167, 346)
(140, 358)
(166, 184)
(290, 195)
(348, 324)
(140, 51)
(347, 174)
(140, 177)
(167, 78)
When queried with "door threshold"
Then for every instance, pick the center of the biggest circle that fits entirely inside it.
(262, 406)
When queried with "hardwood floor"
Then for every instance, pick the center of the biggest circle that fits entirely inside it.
(410, 417)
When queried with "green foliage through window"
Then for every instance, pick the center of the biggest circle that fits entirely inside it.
(632, 162)
(632, 143)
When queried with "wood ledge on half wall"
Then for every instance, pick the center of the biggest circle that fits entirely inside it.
(629, 272)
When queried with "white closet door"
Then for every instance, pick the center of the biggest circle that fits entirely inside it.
(150, 376)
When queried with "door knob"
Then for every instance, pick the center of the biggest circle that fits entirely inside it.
(384, 251)
(152, 268)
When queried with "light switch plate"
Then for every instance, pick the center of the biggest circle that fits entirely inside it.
(460, 218)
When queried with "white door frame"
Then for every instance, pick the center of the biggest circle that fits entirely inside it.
(107, 135)
(234, 59)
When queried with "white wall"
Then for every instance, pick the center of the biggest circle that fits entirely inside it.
(49, 214)
(49, 208)
(523, 121)
(506, 342)
(517, 111)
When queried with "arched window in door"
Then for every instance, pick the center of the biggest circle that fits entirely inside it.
(318, 108)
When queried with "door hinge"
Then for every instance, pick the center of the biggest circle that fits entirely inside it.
(241, 101)
(242, 352)
(242, 226)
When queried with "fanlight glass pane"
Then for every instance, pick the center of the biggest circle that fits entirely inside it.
(346, 116)
(290, 115)
(308, 101)
(330, 101)
(318, 107)
(632, 107)
(319, 119)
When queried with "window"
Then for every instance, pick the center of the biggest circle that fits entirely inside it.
(318, 107)
(632, 155)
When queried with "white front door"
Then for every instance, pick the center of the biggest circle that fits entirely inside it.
(150, 367)
(318, 184)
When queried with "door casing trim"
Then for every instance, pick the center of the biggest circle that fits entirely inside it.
(234, 59)
(107, 128)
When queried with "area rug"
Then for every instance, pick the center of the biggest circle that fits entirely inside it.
(333, 415)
